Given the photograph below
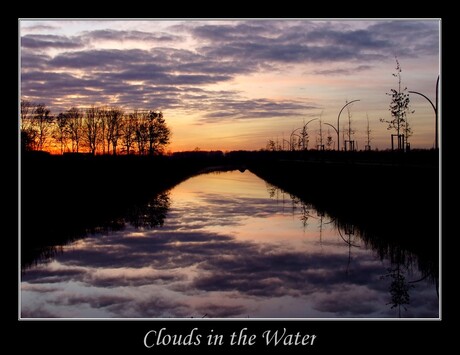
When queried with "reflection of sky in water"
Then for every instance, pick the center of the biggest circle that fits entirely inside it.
(226, 250)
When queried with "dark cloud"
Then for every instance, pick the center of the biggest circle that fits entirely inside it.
(95, 89)
(343, 71)
(101, 59)
(307, 41)
(60, 81)
(228, 105)
(257, 52)
(167, 78)
(232, 32)
(156, 88)
(39, 42)
(39, 27)
(31, 60)
(119, 35)
(258, 108)
(163, 75)
(357, 39)
(409, 38)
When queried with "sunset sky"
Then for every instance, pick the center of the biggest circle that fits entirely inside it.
(235, 84)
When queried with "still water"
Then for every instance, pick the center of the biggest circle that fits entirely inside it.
(226, 245)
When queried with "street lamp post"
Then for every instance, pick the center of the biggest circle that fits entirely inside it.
(435, 108)
(338, 123)
(290, 137)
(304, 130)
(303, 133)
(296, 135)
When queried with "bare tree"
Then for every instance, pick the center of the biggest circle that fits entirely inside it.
(28, 133)
(114, 122)
(108, 129)
(271, 145)
(128, 131)
(42, 123)
(75, 124)
(399, 107)
(159, 132)
(92, 126)
(103, 127)
(142, 133)
(368, 132)
(305, 138)
(319, 139)
(329, 140)
(61, 131)
(26, 110)
(350, 132)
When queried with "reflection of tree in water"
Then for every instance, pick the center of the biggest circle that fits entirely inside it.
(347, 233)
(143, 215)
(402, 259)
(399, 288)
(272, 190)
(403, 263)
(297, 205)
(404, 256)
(151, 214)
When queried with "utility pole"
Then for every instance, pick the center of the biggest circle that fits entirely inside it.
(435, 108)
(338, 122)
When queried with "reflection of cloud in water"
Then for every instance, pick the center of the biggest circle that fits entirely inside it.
(275, 273)
(37, 312)
(193, 265)
(220, 311)
(152, 306)
(210, 210)
(344, 302)
(44, 274)
(190, 268)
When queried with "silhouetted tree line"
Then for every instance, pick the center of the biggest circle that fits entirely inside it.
(106, 130)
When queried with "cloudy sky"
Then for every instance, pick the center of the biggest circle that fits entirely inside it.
(234, 84)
